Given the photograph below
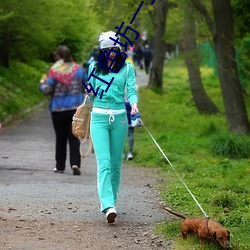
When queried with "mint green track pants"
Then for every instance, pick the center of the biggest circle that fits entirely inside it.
(108, 136)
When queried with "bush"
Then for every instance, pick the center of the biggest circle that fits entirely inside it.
(231, 146)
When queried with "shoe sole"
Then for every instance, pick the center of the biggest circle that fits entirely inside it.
(111, 217)
(59, 172)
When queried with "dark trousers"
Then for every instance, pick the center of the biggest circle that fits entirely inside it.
(147, 65)
(130, 129)
(62, 122)
(131, 139)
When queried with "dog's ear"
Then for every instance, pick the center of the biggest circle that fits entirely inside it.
(228, 237)
(214, 235)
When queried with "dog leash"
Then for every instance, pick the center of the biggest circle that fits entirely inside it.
(174, 170)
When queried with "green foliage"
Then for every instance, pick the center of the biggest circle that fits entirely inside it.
(231, 146)
(241, 17)
(170, 230)
(243, 60)
(210, 129)
(19, 87)
(219, 183)
(176, 18)
(119, 11)
(224, 200)
(175, 25)
(30, 34)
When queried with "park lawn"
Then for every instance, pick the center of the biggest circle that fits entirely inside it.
(219, 182)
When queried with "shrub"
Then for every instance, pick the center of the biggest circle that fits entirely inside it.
(231, 146)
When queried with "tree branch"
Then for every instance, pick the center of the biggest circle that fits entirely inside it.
(202, 9)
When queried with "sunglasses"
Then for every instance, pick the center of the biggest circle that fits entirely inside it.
(113, 48)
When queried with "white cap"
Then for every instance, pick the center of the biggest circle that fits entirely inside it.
(106, 42)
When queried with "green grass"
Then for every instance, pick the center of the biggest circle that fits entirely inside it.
(214, 164)
(19, 87)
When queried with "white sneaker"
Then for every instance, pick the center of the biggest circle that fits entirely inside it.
(58, 171)
(130, 156)
(111, 214)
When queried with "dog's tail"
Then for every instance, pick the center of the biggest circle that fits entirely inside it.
(175, 213)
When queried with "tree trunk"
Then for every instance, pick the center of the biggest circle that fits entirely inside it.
(159, 47)
(235, 109)
(201, 99)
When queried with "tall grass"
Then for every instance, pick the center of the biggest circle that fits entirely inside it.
(214, 164)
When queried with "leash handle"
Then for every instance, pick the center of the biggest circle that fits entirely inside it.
(90, 149)
(174, 170)
(86, 138)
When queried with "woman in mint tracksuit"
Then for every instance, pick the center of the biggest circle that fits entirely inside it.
(109, 123)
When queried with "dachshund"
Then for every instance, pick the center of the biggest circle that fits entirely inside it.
(204, 229)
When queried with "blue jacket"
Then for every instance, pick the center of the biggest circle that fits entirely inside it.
(65, 97)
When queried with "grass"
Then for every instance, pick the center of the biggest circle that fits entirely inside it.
(214, 164)
(19, 88)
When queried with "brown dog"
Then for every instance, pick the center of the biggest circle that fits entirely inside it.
(204, 228)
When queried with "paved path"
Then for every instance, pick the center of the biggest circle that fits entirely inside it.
(26, 163)
(141, 78)
(27, 160)
(31, 191)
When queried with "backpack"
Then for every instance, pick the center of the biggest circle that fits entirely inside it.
(81, 125)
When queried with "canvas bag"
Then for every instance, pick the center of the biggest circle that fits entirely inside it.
(81, 125)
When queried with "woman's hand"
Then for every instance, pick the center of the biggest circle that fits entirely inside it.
(89, 93)
(134, 109)
(43, 79)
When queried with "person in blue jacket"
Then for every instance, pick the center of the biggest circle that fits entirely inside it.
(109, 123)
(64, 84)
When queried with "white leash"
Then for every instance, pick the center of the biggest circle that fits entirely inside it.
(174, 169)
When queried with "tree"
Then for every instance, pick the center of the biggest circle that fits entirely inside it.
(114, 10)
(159, 44)
(223, 38)
(24, 32)
(28, 33)
(201, 99)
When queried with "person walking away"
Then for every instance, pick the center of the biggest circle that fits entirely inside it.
(64, 85)
(130, 127)
(139, 51)
(109, 123)
(130, 133)
(147, 58)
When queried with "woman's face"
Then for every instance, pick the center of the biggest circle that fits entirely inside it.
(113, 52)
